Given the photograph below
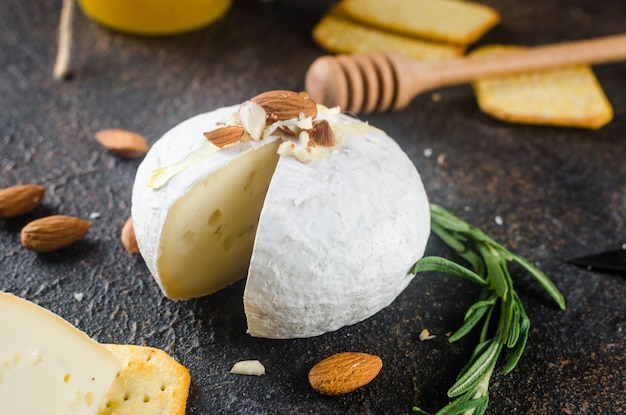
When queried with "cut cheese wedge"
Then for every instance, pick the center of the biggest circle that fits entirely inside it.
(195, 209)
(47, 366)
(213, 226)
(326, 240)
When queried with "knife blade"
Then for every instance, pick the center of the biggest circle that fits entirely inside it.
(608, 261)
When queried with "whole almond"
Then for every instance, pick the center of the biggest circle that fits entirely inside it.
(18, 200)
(53, 232)
(283, 105)
(344, 372)
(128, 237)
(122, 143)
(322, 134)
(225, 136)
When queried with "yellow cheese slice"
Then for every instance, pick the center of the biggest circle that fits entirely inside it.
(47, 366)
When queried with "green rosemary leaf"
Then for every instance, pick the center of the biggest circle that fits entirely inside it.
(419, 411)
(471, 319)
(489, 301)
(447, 220)
(488, 260)
(508, 305)
(439, 264)
(457, 242)
(495, 276)
(478, 351)
(462, 405)
(502, 251)
(450, 239)
(477, 263)
(480, 409)
(477, 235)
(543, 280)
(520, 307)
(514, 331)
(518, 349)
(482, 365)
(453, 231)
(486, 325)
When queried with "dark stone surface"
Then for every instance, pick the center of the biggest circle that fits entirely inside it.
(560, 193)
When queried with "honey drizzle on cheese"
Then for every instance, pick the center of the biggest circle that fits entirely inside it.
(346, 128)
(160, 177)
(163, 175)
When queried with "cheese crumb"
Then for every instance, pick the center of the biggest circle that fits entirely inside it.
(425, 335)
(248, 367)
(441, 160)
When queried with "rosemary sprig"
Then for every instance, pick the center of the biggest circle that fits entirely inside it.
(498, 299)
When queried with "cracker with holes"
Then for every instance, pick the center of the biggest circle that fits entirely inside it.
(448, 21)
(338, 34)
(150, 382)
(570, 97)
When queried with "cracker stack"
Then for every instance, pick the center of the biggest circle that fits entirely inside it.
(444, 29)
(418, 29)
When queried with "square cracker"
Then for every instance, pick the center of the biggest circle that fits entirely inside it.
(450, 21)
(570, 96)
(150, 382)
(338, 34)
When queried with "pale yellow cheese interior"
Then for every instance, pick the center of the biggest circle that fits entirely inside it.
(208, 235)
(48, 366)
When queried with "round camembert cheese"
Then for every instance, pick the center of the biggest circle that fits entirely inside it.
(326, 235)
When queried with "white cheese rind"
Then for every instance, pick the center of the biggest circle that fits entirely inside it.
(336, 237)
(47, 366)
(151, 206)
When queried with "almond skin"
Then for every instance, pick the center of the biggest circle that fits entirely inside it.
(281, 105)
(128, 237)
(21, 199)
(225, 136)
(53, 232)
(322, 134)
(344, 372)
(122, 143)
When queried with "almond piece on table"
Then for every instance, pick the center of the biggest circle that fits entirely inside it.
(225, 136)
(122, 143)
(283, 105)
(20, 199)
(128, 237)
(248, 368)
(344, 372)
(53, 232)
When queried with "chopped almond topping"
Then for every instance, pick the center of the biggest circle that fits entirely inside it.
(225, 136)
(322, 134)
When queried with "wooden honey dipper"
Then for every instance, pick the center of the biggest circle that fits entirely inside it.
(381, 81)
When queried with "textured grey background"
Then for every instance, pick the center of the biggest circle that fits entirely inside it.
(560, 192)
